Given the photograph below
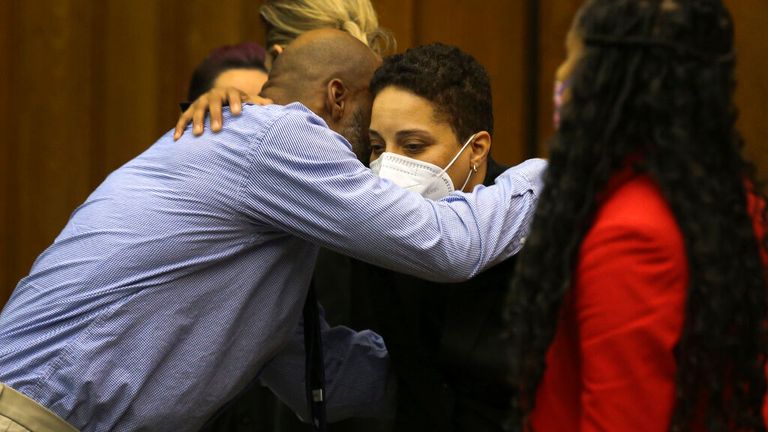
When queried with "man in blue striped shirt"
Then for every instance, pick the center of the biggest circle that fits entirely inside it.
(182, 277)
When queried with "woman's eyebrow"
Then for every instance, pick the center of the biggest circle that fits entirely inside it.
(411, 132)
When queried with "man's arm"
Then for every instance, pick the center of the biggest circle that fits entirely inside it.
(359, 381)
(304, 179)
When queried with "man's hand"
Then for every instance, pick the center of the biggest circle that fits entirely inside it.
(212, 102)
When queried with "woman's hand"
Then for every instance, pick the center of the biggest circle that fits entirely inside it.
(212, 102)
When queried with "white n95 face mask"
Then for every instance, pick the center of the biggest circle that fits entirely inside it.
(424, 178)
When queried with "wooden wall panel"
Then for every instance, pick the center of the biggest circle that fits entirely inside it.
(124, 107)
(751, 17)
(6, 208)
(87, 85)
(50, 138)
(494, 32)
(555, 18)
(397, 16)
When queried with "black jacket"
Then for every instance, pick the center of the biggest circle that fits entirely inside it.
(444, 342)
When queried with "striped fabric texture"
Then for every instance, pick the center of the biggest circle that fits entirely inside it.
(182, 277)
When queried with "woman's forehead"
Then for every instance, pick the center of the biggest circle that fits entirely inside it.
(396, 108)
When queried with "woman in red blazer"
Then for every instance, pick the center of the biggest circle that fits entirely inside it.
(640, 298)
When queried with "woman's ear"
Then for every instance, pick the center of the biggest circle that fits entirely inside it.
(480, 148)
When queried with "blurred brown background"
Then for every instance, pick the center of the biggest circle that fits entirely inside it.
(85, 85)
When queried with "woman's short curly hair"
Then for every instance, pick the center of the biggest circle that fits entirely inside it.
(452, 80)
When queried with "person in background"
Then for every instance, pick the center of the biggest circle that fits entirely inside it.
(639, 302)
(240, 66)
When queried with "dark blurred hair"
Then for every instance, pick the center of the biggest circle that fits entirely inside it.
(455, 83)
(247, 55)
(655, 86)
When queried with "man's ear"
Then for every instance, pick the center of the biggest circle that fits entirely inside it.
(480, 148)
(335, 100)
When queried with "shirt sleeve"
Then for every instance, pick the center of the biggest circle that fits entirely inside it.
(304, 180)
(629, 299)
(359, 381)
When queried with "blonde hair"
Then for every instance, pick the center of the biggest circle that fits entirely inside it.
(287, 19)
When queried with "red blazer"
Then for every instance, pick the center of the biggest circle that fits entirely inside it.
(611, 365)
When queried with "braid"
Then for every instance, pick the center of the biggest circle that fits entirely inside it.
(353, 29)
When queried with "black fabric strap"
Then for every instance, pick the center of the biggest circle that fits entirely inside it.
(314, 368)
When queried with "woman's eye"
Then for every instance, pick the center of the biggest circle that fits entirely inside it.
(413, 147)
(377, 148)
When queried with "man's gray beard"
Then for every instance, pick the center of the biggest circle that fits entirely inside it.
(356, 134)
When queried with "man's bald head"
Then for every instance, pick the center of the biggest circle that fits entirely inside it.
(314, 59)
(329, 72)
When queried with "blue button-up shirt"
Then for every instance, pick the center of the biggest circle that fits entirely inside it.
(183, 275)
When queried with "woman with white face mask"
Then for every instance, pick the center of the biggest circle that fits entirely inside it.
(416, 141)
(424, 178)
(430, 132)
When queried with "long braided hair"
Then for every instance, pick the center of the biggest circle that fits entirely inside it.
(655, 80)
